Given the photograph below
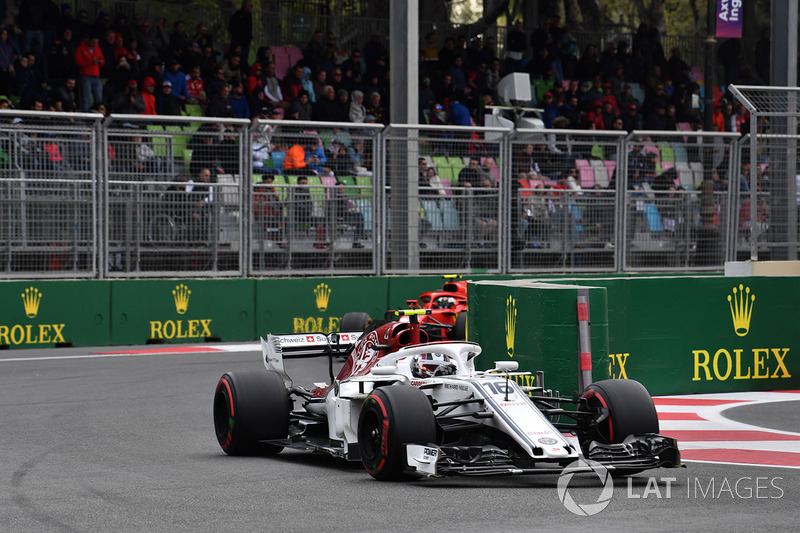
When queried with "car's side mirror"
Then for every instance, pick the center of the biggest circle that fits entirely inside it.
(388, 370)
(505, 366)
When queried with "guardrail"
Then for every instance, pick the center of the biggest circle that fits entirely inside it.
(130, 196)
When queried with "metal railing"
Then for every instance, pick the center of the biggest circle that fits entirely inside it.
(135, 196)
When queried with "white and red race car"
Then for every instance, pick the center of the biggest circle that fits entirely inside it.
(405, 407)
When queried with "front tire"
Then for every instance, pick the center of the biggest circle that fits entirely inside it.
(355, 321)
(390, 418)
(459, 331)
(251, 407)
(630, 409)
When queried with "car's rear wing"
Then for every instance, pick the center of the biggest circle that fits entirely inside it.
(276, 347)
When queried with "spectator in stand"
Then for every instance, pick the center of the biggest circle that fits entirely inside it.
(308, 85)
(89, 59)
(516, 46)
(107, 48)
(337, 80)
(549, 109)
(293, 83)
(148, 96)
(320, 80)
(303, 106)
(357, 110)
(65, 94)
(608, 115)
(373, 51)
(589, 64)
(353, 63)
(312, 53)
(239, 104)
(272, 88)
(220, 105)
(216, 82)
(447, 54)
(342, 108)
(627, 99)
(178, 40)
(7, 57)
(253, 81)
(128, 102)
(232, 69)
(459, 114)
(324, 109)
(359, 158)
(458, 74)
(177, 79)
(375, 108)
(166, 104)
(60, 59)
(446, 91)
(430, 51)
(678, 69)
(240, 28)
(195, 87)
(568, 49)
(294, 162)
(631, 119)
(31, 19)
(145, 41)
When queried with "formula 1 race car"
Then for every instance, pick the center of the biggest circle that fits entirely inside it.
(406, 407)
(447, 319)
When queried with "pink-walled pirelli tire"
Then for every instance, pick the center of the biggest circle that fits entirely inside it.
(250, 407)
(390, 418)
(630, 408)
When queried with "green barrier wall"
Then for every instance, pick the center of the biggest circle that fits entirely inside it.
(182, 310)
(676, 335)
(537, 325)
(679, 335)
(37, 314)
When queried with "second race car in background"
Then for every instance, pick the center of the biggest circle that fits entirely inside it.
(448, 312)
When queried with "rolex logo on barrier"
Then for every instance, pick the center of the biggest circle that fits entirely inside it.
(181, 295)
(181, 329)
(743, 362)
(31, 299)
(741, 304)
(19, 334)
(322, 294)
(511, 324)
(318, 324)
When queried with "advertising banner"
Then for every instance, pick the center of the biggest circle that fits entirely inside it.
(38, 314)
(704, 334)
(315, 305)
(182, 311)
(536, 324)
(729, 18)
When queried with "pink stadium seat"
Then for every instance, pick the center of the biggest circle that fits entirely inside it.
(447, 186)
(586, 176)
(581, 163)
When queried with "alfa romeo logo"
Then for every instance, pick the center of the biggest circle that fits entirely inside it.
(585, 509)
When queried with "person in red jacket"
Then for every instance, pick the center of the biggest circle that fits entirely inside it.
(89, 59)
(149, 97)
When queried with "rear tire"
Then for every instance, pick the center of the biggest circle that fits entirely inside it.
(630, 409)
(390, 418)
(250, 407)
(355, 321)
